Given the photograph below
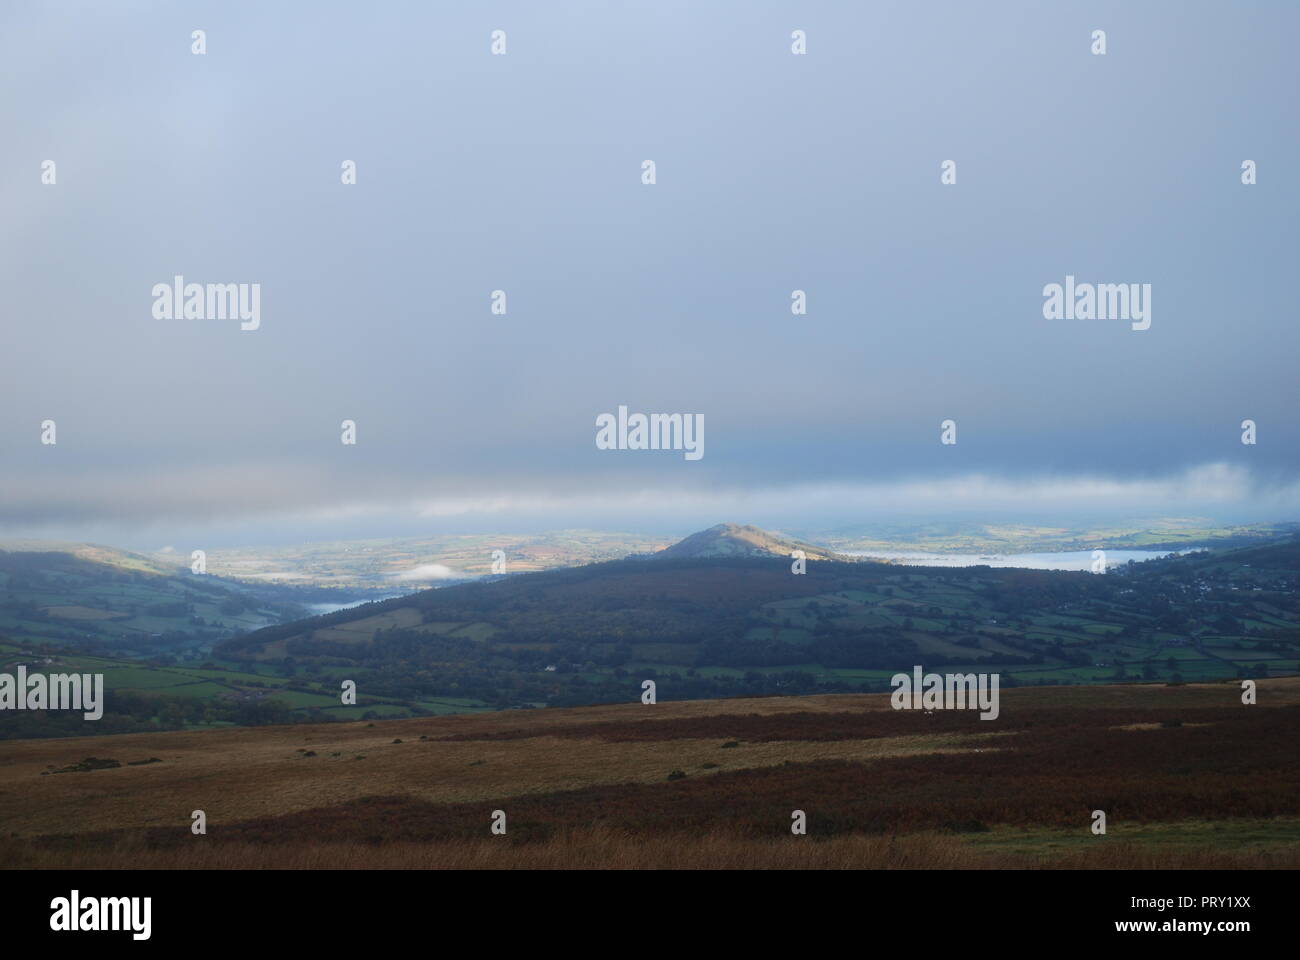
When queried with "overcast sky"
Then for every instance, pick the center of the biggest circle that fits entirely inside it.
(523, 172)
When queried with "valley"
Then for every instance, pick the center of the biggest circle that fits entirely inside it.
(719, 614)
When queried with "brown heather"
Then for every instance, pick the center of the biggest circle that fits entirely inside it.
(603, 849)
(590, 787)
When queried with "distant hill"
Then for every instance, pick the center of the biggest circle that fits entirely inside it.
(721, 613)
(903, 534)
(388, 565)
(109, 600)
(1280, 555)
(160, 565)
(726, 540)
(718, 614)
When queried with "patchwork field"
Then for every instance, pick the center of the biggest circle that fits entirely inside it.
(1187, 775)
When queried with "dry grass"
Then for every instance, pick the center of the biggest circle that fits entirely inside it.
(267, 776)
(245, 773)
(604, 849)
(589, 786)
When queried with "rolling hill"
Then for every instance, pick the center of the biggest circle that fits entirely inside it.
(121, 603)
(722, 614)
(729, 540)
